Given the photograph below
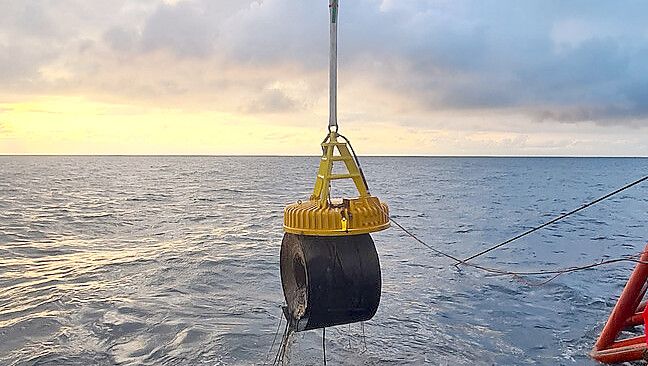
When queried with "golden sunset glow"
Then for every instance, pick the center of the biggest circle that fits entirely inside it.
(77, 126)
(195, 77)
(72, 125)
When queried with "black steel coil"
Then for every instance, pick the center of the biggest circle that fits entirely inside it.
(329, 280)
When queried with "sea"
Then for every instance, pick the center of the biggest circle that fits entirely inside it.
(174, 260)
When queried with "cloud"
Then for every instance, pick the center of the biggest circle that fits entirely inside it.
(552, 61)
(121, 39)
(184, 28)
(273, 101)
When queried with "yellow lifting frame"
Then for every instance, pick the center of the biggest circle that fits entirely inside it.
(351, 216)
(325, 175)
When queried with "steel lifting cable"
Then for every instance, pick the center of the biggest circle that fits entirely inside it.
(324, 344)
(274, 339)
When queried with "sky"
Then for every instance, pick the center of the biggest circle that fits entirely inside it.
(416, 77)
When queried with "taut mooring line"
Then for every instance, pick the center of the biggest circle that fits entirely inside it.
(437, 251)
(464, 261)
(521, 275)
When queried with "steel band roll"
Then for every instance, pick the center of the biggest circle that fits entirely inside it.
(329, 280)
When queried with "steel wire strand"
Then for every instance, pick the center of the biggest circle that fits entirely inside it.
(602, 198)
(520, 275)
(274, 340)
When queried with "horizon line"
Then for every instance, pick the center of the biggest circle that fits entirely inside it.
(310, 155)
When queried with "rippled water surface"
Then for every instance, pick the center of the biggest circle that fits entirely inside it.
(175, 260)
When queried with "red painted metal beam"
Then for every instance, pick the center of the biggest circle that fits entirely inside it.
(634, 320)
(607, 349)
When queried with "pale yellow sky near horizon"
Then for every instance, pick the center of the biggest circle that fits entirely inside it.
(77, 126)
(229, 77)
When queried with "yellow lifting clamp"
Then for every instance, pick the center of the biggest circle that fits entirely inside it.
(322, 216)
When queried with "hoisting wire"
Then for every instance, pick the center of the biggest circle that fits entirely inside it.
(553, 220)
(324, 344)
(333, 126)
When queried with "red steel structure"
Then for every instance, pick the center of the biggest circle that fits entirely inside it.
(628, 312)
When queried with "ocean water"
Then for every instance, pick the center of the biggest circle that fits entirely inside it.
(175, 260)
